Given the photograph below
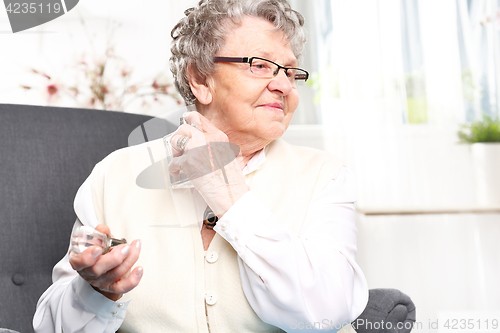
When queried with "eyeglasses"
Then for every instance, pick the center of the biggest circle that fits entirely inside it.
(267, 69)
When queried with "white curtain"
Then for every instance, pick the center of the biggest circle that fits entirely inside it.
(479, 40)
(395, 78)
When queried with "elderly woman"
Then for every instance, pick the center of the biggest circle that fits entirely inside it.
(281, 253)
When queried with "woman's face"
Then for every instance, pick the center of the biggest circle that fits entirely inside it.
(248, 108)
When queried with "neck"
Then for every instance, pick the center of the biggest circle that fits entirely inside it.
(248, 148)
(245, 159)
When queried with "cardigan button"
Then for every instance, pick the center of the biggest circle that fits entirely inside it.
(212, 256)
(223, 226)
(211, 298)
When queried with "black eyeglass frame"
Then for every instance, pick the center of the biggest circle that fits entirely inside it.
(248, 60)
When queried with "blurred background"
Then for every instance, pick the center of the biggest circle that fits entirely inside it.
(393, 81)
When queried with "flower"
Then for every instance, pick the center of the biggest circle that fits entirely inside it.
(126, 72)
(52, 90)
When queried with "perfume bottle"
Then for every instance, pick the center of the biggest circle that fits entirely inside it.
(85, 237)
(180, 180)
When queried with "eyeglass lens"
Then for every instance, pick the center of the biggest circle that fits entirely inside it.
(268, 69)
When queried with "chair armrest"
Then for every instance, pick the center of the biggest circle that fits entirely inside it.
(388, 310)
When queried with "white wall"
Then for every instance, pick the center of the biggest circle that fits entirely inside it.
(447, 264)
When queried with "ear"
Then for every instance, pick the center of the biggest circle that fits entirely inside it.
(201, 90)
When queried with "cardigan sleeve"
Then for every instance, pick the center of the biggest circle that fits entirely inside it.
(70, 304)
(291, 280)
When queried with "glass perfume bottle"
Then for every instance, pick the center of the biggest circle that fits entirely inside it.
(180, 180)
(84, 237)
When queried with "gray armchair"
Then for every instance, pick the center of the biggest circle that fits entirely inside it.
(47, 153)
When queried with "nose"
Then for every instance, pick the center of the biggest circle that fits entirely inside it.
(280, 83)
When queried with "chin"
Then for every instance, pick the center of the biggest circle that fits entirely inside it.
(276, 132)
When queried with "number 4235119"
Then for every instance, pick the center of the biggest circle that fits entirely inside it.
(33, 8)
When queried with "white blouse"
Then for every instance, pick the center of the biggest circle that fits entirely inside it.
(324, 250)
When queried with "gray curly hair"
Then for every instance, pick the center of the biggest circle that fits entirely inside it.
(201, 34)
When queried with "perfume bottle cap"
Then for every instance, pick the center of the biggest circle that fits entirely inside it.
(84, 237)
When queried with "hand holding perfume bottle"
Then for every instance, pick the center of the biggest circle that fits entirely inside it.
(104, 262)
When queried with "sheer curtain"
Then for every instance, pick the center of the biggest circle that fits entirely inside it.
(479, 42)
(395, 79)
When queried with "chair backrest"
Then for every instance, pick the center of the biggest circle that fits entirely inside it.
(46, 154)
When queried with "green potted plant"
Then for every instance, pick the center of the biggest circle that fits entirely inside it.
(484, 139)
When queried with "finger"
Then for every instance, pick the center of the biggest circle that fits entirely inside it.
(195, 134)
(201, 122)
(175, 167)
(121, 270)
(87, 258)
(193, 118)
(128, 283)
(196, 139)
(104, 229)
(207, 125)
(216, 134)
(107, 262)
(183, 131)
(195, 163)
(176, 140)
(240, 160)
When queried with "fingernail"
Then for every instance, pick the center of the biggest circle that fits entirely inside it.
(185, 114)
(126, 250)
(96, 252)
(138, 244)
(139, 272)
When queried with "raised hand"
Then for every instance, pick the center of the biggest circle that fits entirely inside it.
(211, 162)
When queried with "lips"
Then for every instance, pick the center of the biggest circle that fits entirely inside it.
(273, 105)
